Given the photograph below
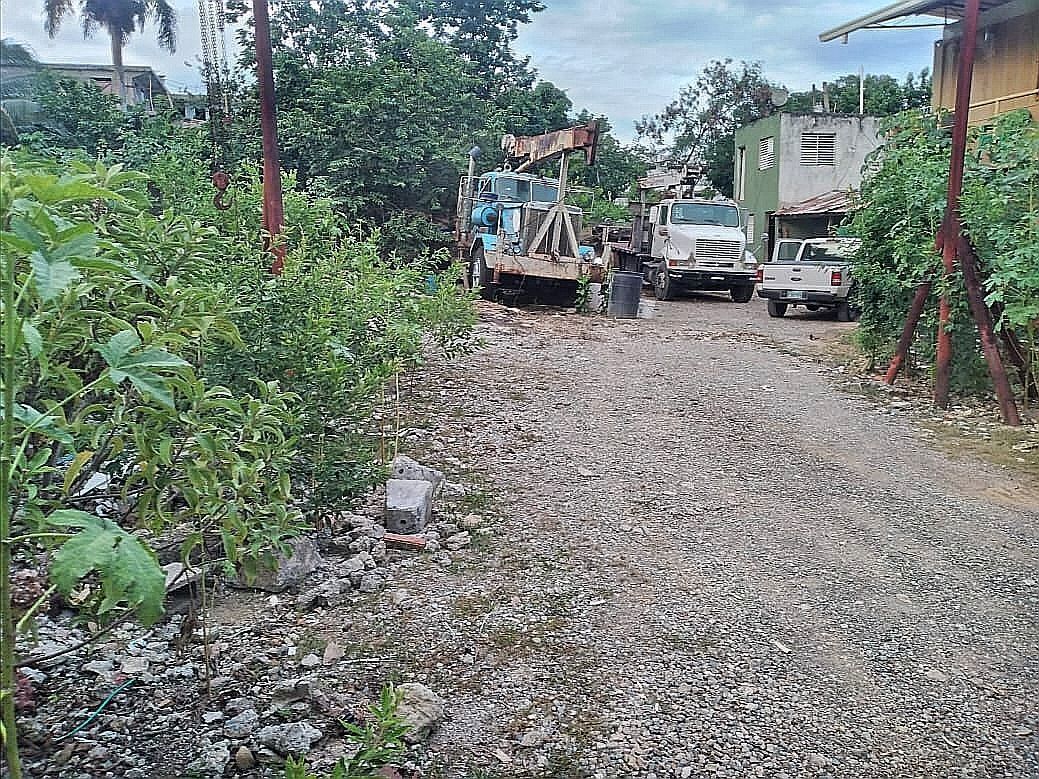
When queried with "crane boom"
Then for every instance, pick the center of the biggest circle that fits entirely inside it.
(532, 149)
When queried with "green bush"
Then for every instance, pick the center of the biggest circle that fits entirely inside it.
(902, 204)
(335, 329)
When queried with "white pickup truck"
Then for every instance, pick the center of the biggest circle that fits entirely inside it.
(814, 273)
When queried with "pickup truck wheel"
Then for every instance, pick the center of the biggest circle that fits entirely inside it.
(741, 294)
(479, 275)
(845, 313)
(776, 309)
(662, 283)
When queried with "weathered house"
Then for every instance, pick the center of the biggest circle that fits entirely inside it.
(144, 87)
(1006, 63)
(794, 172)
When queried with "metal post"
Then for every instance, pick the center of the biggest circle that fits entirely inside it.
(273, 213)
(906, 339)
(983, 318)
(964, 77)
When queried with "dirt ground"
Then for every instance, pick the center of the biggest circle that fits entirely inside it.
(707, 557)
(701, 546)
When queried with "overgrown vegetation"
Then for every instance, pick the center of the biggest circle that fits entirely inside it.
(379, 742)
(903, 200)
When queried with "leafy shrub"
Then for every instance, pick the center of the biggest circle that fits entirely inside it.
(107, 426)
(334, 329)
(902, 204)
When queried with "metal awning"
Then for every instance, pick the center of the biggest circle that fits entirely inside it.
(839, 201)
(952, 10)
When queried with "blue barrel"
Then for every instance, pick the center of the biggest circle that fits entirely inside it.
(625, 290)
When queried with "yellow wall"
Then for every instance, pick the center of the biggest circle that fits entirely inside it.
(1006, 65)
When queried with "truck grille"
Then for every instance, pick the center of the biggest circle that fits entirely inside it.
(719, 254)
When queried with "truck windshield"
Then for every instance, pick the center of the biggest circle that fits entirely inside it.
(524, 190)
(704, 214)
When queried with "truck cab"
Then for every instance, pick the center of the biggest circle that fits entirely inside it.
(813, 272)
(698, 244)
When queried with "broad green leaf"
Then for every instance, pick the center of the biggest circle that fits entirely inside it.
(42, 424)
(127, 570)
(32, 337)
(51, 276)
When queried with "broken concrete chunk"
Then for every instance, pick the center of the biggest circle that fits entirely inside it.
(408, 469)
(409, 505)
(289, 571)
(420, 709)
(294, 738)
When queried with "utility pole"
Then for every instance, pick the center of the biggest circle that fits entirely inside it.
(273, 212)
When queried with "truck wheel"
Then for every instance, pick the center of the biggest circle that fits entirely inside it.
(845, 313)
(479, 275)
(776, 309)
(741, 294)
(662, 285)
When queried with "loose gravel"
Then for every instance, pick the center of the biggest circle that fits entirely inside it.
(709, 561)
(684, 549)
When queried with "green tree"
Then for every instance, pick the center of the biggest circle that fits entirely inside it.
(883, 95)
(698, 127)
(118, 18)
(482, 32)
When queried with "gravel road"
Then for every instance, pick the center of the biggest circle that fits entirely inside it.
(705, 559)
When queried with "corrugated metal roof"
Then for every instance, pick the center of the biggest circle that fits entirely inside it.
(837, 202)
(952, 10)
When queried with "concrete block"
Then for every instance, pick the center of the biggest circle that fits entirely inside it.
(409, 505)
(405, 468)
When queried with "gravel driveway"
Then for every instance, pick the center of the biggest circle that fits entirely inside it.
(706, 560)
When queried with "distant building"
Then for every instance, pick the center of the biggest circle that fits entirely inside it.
(144, 87)
(1006, 65)
(794, 173)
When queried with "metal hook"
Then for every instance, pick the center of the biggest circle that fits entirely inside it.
(221, 181)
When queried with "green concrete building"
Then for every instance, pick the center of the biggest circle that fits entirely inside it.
(795, 165)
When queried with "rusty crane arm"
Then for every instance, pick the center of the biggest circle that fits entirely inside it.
(532, 149)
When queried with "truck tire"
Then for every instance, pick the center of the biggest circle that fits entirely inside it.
(662, 286)
(741, 294)
(776, 309)
(479, 275)
(845, 313)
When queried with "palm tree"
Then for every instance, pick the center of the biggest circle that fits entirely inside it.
(119, 18)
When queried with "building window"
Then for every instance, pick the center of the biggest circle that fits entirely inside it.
(741, 173)
(819, 149)
(766, 153)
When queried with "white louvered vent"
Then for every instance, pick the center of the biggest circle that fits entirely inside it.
(766, 153)
(819, 149)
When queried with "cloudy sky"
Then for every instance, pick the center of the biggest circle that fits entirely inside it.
(622, 58)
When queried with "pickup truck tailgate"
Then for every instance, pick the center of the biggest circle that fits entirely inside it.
(797, 278)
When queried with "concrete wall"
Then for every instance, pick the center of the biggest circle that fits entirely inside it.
(857, 136)
(761, 191)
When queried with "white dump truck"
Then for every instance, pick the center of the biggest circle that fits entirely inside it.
(687, 244)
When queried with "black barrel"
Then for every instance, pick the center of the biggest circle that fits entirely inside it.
(625, 290)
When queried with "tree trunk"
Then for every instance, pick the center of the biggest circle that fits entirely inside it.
(118, 77)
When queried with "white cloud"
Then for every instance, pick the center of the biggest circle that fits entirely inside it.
(628, 58)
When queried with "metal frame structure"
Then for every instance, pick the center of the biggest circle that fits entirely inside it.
(951, 240)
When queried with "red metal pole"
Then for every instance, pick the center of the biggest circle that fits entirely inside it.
(1000, 382)
(912, 318)
(273, 213)
(964, 77)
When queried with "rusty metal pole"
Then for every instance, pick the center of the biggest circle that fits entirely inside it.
(906, 339)
(273, 212)
(989, 346)
(964, 77)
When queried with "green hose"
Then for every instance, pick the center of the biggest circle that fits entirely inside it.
(97, 711)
